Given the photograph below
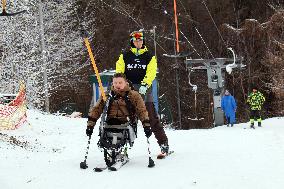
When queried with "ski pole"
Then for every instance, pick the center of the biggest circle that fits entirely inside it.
(151, 162)
(83, 165)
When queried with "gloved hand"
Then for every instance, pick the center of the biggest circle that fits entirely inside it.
(90, 126)
(84, 33)
(143, 89)
(147, 131)
(91, 123)
(89, 131)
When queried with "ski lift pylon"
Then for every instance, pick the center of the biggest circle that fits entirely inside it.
(5, 13)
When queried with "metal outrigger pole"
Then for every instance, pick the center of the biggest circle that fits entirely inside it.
(5, 13)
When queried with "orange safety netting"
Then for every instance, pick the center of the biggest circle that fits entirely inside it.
(14, 114)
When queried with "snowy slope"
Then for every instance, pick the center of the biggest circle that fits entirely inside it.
(227, 158)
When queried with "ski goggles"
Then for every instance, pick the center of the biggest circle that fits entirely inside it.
(135, 36)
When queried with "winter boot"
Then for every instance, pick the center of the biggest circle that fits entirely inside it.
(252, 126)
(259, 124)
(164, 148)
(228, 121)
(232, 125)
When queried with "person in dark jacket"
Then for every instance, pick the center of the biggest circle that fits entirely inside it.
(228, 105)
(118, 112)
(140, 68)
(255, 101)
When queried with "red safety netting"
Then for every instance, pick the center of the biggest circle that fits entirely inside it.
(14, 114)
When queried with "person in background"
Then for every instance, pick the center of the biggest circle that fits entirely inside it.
(255, 101)
(229, 106)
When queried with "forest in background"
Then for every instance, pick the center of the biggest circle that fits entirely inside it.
(254, 29)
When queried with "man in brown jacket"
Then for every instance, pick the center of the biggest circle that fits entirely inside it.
(118, 111)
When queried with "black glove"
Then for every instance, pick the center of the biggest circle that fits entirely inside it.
(89, 131)
(84, 33)
(147, 131)
(90, 126)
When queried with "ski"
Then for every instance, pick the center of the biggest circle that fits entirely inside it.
(114, 167)
(118, 165)
(100, 169)
(164, 155)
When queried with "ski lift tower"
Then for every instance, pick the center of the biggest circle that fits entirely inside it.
(215, 74)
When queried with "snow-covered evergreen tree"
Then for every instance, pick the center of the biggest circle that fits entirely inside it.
(21, 56)
(20, 50)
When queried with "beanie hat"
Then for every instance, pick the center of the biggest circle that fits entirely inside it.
(227, 92)
(254, 87)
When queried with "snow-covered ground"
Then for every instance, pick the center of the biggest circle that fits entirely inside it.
(46, 153)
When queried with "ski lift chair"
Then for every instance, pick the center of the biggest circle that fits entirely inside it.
(194, 88)
(114, 139)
